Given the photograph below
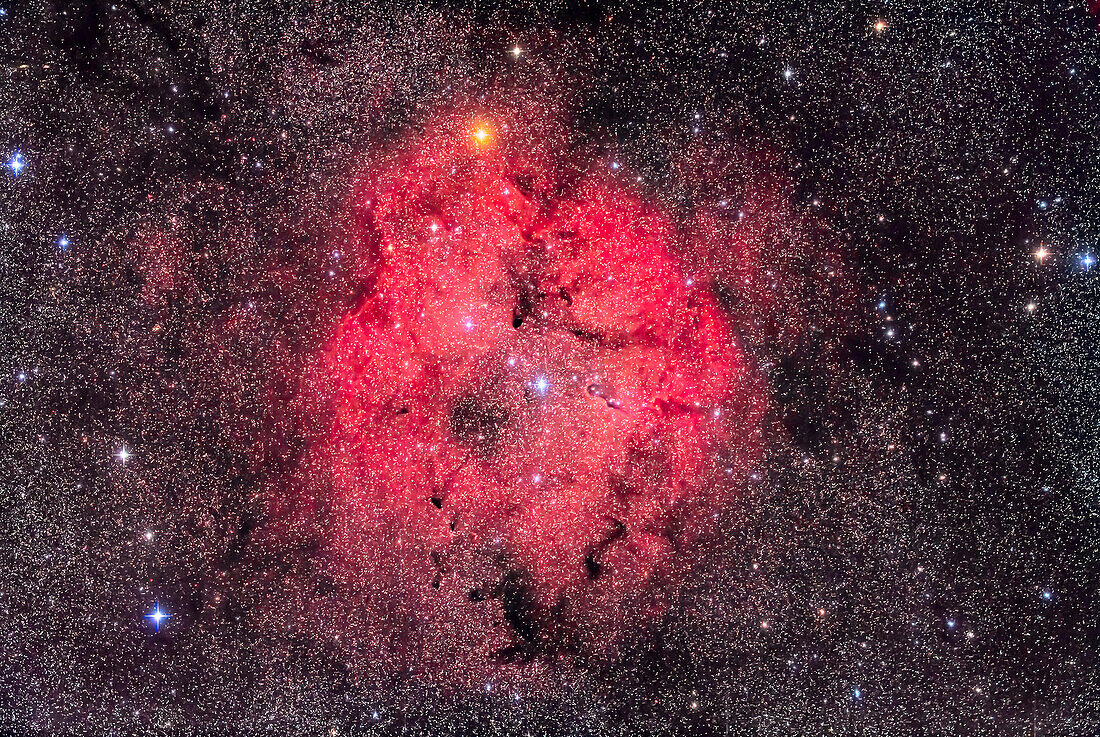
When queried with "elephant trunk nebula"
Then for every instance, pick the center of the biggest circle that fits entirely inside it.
(535, 413)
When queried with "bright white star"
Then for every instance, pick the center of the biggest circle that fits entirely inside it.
(157, 617)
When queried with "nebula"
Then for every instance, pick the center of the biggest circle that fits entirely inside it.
(535, 412)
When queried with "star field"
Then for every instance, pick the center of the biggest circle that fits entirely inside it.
(552, 369)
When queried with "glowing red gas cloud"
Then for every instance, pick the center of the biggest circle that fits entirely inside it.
(535, 411)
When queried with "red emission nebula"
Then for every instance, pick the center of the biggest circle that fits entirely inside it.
(534, 411)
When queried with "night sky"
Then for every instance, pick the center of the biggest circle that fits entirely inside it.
(555, 369)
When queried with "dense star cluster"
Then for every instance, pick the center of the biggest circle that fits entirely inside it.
(561, 368)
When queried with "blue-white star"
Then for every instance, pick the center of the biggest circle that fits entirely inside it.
(157, 617)
(16, 163)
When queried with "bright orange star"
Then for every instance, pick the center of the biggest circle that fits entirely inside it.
(481, 135)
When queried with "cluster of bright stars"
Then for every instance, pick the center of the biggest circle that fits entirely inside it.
(1086, 260)
(16, 164)
(879, 27)
(159, 615)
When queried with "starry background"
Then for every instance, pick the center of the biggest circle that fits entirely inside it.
(920, 553)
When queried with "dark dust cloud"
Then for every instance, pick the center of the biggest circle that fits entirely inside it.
(556, 369)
